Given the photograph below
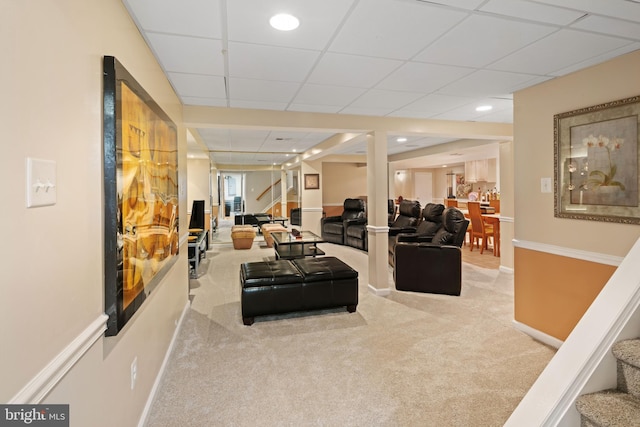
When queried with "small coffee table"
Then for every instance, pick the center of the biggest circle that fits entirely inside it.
(288, 246)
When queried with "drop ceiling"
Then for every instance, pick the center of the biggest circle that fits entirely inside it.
(383, 58)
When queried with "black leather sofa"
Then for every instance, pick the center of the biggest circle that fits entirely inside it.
(433, 266)
(283, 286)
(333, 228)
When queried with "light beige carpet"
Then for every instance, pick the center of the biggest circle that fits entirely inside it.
(405, 360)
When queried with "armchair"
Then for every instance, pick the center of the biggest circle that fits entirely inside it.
(430, 223)
(407, 219)
(436, 266)
(333, 228)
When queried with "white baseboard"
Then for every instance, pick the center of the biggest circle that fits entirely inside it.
(504, 269)
(38, 388)
(536, 334)
(163, 367)
(379, 292)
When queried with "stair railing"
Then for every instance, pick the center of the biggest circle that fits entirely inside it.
(584, 363)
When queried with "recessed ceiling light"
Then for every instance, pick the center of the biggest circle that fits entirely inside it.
(401, 139)
(484, 108)
(284, 22)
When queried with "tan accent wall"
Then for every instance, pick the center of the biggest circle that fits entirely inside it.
(549, 299)
(332, 210)
(552, 292)
(341, 181)
(52, 259)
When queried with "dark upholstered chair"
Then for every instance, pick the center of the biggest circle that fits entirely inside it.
(436, 266)
(430, 223)
(356, 235)
(407, 219)
(333, 228)
(392, 209)
(295, 217)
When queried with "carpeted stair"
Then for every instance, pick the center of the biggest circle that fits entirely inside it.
(618, 407)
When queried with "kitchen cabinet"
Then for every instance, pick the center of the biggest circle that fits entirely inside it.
(480, 170)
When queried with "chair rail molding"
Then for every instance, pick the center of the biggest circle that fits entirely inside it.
(584, 362)
(38, 388)
(569, 252)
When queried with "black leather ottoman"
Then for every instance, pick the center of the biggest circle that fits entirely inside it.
(283, 286)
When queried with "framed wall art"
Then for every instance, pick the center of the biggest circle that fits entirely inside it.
(596, 162)
(311, 181)
(140, 194)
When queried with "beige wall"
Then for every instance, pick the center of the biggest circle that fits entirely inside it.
(341, 181)
(534, 109)
(198, 182)
(51, 259)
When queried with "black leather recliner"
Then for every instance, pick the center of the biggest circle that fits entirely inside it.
(435, 266)
(333, 228)
(407, 219)
(430, 223)
(391, 211)
(357, 235)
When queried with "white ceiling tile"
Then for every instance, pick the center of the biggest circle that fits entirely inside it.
(532, 11)
(621, 9)
(199, 18)
(422, 78)
(597, 59)
(463, 4)
(485, 83)
(348, 70)
(391, 29)
(276, 63)
(434, 103)
(193, 55)
(481, 40)
(204, 102)
(325, 95)
(300, 71)
(262, 90)
(559, 50)
(249, 21)
(259, 105)
(376, 98)
(611, 26)
(196, 85)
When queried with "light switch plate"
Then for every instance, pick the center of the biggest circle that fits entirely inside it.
(545, 185)
(41, 182)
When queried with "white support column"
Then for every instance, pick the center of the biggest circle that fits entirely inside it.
(377, 227)
(311, 199)
(283, 193)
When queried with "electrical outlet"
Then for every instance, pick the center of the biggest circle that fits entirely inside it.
(134, 372)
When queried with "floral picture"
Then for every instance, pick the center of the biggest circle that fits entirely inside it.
(603, 169)
(596, 162)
